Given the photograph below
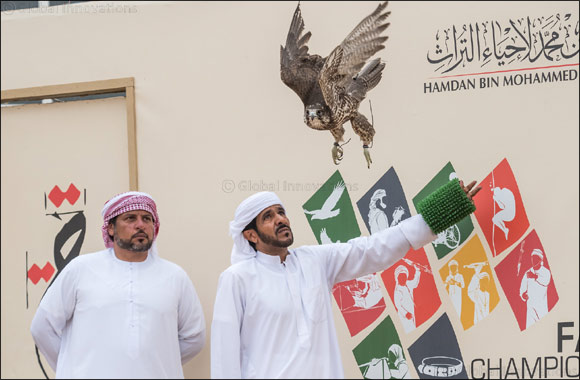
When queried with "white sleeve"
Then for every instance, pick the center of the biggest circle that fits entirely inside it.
(55, 309)
(191, 322)
(486, 303)
(415, 281)
(399, 303)
(472, 287)
(524, 284)
(369, 254)
(544, 277)
(226, 328)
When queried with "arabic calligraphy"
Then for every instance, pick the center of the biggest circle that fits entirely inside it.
(527, 39)
(35, 273)
(73, 230)
(57, 196)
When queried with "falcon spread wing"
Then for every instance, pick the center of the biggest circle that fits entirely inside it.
(337, 77)
(333, 198)
(298, 69)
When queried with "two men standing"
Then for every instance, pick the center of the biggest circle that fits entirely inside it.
(124, 312)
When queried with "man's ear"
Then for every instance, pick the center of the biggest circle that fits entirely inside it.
(251, 235)
(111, 229)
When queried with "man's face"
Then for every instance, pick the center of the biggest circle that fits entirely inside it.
(391, 359)
(133, 231)
(402, 278)
(453, 269)
(273, 227)
(536, 262)
(483, 284)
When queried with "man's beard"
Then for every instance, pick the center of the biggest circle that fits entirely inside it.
(274, 241)
(133, 247)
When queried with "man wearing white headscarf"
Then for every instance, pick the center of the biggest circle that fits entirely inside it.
(455, 284)
(396, 358)
(477, 292)
(534, 288)
(403, 296)
(273, 314)
(122, 312)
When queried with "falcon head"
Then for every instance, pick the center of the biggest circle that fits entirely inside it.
(317, 116)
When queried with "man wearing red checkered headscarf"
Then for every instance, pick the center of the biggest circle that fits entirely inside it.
(122, 211)
(122, 312)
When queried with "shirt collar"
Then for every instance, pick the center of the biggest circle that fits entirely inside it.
(143, 263)
(268, 260)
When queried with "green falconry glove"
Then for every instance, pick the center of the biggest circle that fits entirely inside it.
(445, 206)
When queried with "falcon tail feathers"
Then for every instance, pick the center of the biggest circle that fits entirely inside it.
(366, 80)
(372, 73)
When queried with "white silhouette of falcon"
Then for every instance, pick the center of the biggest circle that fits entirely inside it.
(327, 211)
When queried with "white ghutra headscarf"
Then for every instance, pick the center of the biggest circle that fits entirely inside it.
(245, 213)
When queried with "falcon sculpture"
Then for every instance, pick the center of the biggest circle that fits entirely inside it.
(332, 88)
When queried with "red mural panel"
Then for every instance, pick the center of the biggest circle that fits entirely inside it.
(500, 209)
(412, 291)
(527, 281)
(360, 301)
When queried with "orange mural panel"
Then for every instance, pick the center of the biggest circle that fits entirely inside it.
(470, 284)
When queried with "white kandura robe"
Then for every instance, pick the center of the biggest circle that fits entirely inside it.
(107, 318)
(405, 302)
(274, 320)
(480, 299)
(455, 291)
(537, 288)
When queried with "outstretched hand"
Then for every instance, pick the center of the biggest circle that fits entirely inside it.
(469, 190)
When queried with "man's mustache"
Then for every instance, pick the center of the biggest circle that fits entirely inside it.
(140, 234)
(282, 226)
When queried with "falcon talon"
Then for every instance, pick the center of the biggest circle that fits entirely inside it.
(337, 153)
(367, 156)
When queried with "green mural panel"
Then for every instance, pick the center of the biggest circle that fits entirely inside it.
(330, 213)
(380, 355)
(455, 235)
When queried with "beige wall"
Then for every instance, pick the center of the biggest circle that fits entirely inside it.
(211, 112)
(42, 147)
